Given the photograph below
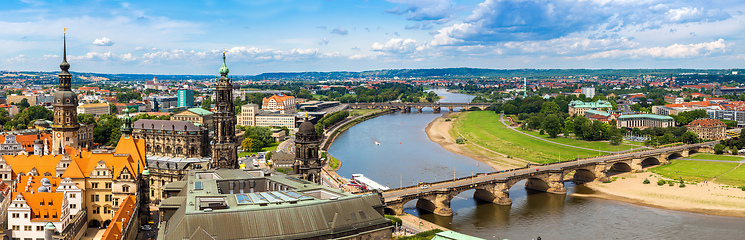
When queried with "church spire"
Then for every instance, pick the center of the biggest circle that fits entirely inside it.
(224, 69)
(64, 76)
(126, 127)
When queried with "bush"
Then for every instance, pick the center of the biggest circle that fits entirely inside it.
(671, 183)
(542, 132)
(646, 181)
(460, 140)
(394, 219)
(448, 120)
(743, 188)
(682, 185)
(661, 182)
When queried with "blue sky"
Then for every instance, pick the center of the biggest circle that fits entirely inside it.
(188, 36)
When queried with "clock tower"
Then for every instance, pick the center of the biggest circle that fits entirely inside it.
(65, 103)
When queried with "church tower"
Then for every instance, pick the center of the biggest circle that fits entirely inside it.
(307, 144)
(224, 146)
(65, 103)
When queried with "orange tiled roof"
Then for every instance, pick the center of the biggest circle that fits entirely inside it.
(28, 141)
(121, 219)
(708, 122)
(278, 98)
(84, 162)
(35, 183)
(45, 206)
(25, 163)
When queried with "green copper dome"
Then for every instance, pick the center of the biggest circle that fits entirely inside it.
(224, 69)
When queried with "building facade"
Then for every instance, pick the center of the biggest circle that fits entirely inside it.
(185, 98)
(96, 109)
(197, 116)
(172, 138)
(578, 107)
(643, 121)
(224, 145)
(281, 103)
(251, 115)
(708, 129)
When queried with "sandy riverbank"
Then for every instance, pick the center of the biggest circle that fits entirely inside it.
(712, 199)
(439, 131)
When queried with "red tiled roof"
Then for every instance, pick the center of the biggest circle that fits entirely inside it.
(708, 122)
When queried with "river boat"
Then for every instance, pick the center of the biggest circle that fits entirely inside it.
(364, 183)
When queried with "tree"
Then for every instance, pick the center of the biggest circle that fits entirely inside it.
(106, 131)
(552, 125)
(550, 107)
(719, 148)
(735, 151)
(250, 144)
(689, 137)
(579, 123)
(206, 103)
(86, 118)
(23, 104)
(568, 126)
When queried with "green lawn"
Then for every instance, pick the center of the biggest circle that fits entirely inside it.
(735, 177)
(708, 156)
(603, 146)
(694, 170)
(357, 112)
(483, 128)
(272, 147)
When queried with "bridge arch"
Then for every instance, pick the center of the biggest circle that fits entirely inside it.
(620, 167)
(537, 184)
(582, 175)
(389, 211)
(674, 156)
(650, 161)
(692, 151)
(426, 205)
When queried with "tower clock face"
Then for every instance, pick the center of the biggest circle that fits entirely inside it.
(59, 135)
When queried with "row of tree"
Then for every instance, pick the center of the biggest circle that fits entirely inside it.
(330, 119)
(255, 138)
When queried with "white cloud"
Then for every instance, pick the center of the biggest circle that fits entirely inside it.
(103, 42)
(399, 45)
(325, 41)
(439, 11)
(138, 48)
(675, 51)
(340, 31)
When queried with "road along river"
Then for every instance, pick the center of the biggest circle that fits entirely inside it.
(406, 155)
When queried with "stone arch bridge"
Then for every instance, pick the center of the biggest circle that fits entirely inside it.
(494, 187)
(406, 107)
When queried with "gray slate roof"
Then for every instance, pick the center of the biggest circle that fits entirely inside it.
(168, 125)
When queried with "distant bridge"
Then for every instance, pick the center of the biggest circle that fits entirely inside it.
(494, 187)
(406, 107)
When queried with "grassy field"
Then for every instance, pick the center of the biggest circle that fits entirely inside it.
(735, 177)
(694, 171)
(483, 128)
(708, 156)
(603, 146)
(358, 112)
(272, 147)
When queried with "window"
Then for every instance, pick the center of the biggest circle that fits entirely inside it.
(125, 188)
(25, 215)
(39, 228)
(108, 185)
(72, 195)
(94, 197)
(16, 215)
(96, 210)
(106, 209)
(94, 185)
(107, 197)
(16, 228)
(73, 206)
(26, 228)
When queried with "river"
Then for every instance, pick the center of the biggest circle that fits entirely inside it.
(405, 155)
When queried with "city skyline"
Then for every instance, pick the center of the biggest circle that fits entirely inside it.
(287, 36)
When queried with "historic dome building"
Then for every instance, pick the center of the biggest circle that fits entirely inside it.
(307, 144)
